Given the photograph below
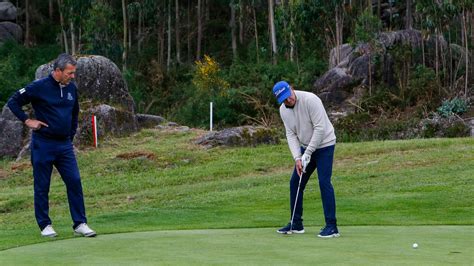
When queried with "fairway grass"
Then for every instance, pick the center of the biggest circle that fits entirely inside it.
(177, 187)
(362, 245)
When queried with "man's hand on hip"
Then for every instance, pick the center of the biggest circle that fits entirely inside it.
(35, 124)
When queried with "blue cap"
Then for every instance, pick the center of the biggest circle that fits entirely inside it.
(282, 91)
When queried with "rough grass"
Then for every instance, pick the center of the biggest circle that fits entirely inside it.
(158, 180)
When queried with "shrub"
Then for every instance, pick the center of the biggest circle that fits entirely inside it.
(18, 65)
(451, 107)
(423, 88)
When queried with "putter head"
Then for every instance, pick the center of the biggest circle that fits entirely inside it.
(288, 233)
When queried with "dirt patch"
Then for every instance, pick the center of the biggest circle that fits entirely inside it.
(20, 166)
(137, 154)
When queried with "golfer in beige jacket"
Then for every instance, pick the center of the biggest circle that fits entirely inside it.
(311, 140)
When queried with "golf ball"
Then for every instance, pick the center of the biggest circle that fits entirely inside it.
(415, 245)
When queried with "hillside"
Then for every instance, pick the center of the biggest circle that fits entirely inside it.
(158, 179)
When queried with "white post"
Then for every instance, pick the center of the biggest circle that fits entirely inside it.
(210, 122)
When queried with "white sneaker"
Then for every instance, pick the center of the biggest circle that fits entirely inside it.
(48, 231)
(84, 230)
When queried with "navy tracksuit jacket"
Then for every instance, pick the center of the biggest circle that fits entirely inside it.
(58, 107)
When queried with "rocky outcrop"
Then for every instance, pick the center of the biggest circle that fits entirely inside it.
(444, 127)
(111, 121)
(239, 136)
(98, 79)
(342, 86)
(10, 31)
(8, 11)
(149, 121)
(13, 133)
(102, 91)
(471, 125)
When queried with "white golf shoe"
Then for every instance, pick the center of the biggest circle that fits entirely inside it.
(48, 231)
(84, 230)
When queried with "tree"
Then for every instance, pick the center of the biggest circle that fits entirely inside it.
(73, 36)
(125, 29)
(241, 21)
(466, 7)
(271, 22)
(50, 9)
(199, 30)
(339, 16)
(161, 34)
(431, 20)
(331, 16)
(27, 23)
(168, 58)
(188, 27)
(63, 26)
(255, 29)
(233, 25)
(409, 16)
(367, 28)
(176, 30)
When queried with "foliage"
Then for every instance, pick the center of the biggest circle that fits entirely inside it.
(418, 87)
(383, 100)
(423, 88)
(367, 28)
(244, 94)
(101, 31)
(455, 106)
(207, 78)
(306, 32)
(361, 127)
(207, 86)
(18, 65)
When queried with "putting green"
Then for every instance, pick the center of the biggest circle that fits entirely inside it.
(364, 245)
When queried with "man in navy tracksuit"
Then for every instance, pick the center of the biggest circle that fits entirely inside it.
(56, 108)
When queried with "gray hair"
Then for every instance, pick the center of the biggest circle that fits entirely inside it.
(63, 60)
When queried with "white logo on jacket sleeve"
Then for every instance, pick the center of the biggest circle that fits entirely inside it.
(69, 96)
(22, 91)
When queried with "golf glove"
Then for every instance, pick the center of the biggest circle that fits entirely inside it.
(305, 159)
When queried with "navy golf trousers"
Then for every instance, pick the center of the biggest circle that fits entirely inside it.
(322, 160)
(46, 153)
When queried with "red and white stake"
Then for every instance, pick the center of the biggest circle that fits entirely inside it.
(94, 131)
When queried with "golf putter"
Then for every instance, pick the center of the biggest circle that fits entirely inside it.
(294, 207)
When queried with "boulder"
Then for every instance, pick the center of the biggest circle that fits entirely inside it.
(10, 31)
(12, 134)
(471, 125)
(334, 86)
(8, 11)
(149, 121)
(99, 80)
(239, 136)
(344, 50)
(102, 91)
(444, 127)
(359, 67)
(343, 84)
(111, 121)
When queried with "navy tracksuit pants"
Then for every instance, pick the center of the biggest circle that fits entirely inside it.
(322, 160)
(46, 153)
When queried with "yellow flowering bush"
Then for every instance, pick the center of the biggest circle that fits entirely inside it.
(207, 77)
